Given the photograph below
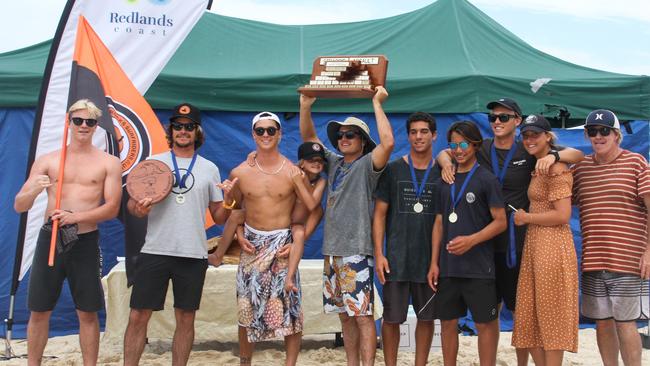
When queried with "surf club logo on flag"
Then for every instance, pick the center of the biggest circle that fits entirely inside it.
(133, 130)
(139, 47)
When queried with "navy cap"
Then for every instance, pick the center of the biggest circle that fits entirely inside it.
(602, 117)
(188, 111)
(537, 123)
(309, 150)
(507, 103)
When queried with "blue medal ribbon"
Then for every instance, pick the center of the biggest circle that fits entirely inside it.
(419, 187)
(341, 173)
(177, 173)
(511, 254)
(455, 200)
(501, 172)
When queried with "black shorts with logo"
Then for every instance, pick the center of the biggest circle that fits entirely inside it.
(81, 265)
(396, 296)
(456, 295)
(152, 275)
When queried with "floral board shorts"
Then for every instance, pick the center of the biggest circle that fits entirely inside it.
(348, 285)
(265, 309)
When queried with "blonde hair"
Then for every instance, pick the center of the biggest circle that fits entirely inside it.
(553, 141)
(86, 104)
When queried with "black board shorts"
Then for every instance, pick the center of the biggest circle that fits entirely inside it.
(152, 275)
(80, 265)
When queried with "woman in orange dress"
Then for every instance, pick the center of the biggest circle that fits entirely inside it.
(546, 316)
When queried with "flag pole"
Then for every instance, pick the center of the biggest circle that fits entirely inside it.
(59, 189)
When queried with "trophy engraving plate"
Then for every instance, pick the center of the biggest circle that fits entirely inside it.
(346, 76)
(150, 179)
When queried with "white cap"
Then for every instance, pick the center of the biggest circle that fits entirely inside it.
(266, 115)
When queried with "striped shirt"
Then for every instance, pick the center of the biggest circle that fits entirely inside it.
(612, 212)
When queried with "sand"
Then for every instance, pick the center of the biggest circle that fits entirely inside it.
(316, 350)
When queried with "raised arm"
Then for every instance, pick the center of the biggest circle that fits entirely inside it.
(567, 155)
(220, 211)
(38, 181)
(307, 129)
(448, 170)
(381, 153)
(298, 179)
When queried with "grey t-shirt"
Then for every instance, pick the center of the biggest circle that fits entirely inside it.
(348, 215)
(179, 229)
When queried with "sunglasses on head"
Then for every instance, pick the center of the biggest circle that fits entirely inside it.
(189, 127)
(593, 131)
(502, 117)
(349, 134)
(78, 121)
(271, 131)
(463, 145)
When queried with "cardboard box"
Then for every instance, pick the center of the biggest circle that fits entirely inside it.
(407, 334)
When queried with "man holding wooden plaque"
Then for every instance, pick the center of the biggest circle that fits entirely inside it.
(347, 243)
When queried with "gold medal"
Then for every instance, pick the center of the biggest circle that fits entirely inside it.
(453, 217)
(418, 207)
(180, 199)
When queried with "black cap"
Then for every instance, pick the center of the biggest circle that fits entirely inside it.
(308, 150)
(186, 110)
(507, 103)
(537, 123)
(603, 117)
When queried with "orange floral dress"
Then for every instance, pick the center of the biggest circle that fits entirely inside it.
(546, 313)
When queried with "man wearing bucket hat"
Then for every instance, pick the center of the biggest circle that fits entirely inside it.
(612, 190)
(347, 242)
(174, 247)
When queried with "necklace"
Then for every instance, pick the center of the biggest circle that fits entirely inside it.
(267, 173)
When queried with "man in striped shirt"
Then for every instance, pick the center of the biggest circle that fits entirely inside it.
(612, 190)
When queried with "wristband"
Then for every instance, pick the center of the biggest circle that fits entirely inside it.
(229, 206)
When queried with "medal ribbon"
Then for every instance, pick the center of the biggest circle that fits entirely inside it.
(419, 187)
(341, 173)
(177, 173)
(455, 200)
(501, 173)
(511, 254)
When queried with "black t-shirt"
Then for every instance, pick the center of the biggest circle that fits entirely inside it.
(515, 186)
(408, 234)
(473, 211)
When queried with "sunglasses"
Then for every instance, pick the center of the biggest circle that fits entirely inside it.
(78, 121)
(349, 134)
(189, 127)
(593, 131)
(463, 145)
(271, 131)
(502, 117)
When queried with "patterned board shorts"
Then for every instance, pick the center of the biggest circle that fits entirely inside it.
(265, 309)
(348, 285)
(611, 295)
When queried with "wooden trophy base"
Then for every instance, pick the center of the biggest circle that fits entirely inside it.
(346, 76)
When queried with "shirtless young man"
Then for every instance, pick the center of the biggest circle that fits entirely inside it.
(268, 190)
(91, 176)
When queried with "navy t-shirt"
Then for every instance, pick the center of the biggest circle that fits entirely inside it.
(408, 233)
(473, 211)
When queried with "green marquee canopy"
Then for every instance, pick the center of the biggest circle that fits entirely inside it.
(448, 57)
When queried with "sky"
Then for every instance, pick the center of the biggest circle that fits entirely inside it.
(603, 34)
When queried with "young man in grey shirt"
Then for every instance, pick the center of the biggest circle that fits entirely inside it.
(347, 242)
(174, 247)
